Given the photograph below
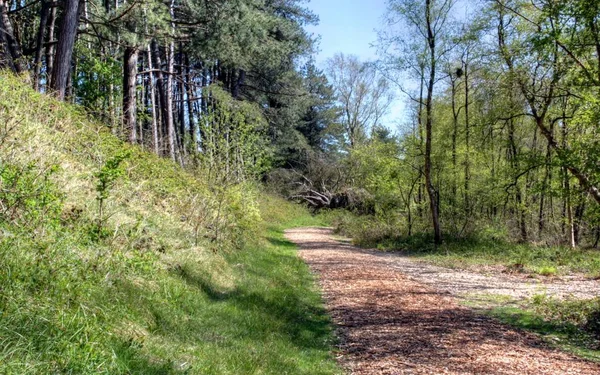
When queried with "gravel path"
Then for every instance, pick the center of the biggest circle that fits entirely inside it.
(392, 322)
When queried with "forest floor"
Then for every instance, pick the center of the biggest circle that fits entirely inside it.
(399, 316)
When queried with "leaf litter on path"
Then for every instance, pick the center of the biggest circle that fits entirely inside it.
(390, 323)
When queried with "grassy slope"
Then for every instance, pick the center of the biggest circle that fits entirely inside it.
(145, 299)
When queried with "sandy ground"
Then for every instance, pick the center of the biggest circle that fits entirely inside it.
(397, 316)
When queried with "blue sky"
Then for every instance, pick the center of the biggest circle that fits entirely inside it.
(349, 26)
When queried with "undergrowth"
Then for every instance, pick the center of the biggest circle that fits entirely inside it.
(486, 247)
(115, 261)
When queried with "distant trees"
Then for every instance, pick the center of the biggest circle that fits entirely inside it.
(502, 134)
(427, 22)
(364, 96)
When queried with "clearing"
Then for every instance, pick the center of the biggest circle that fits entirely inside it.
(397, 316)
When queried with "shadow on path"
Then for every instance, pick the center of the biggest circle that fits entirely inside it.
(391, 324)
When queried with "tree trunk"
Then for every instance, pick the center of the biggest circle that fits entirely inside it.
(64, 49)
(12, 46)
(169, 102)
(181, 102)
(455, 115)
(467, 141)
(39, 48)
(428, 127)
(50, 48)
(520, 206)
(239, 82)
(569, 210)
(190, 106)
(153, 112)
(162, 96)
(5, 57)
(547, 177)
(130, 62)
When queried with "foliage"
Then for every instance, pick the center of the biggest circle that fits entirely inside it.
(106, 177)
(363, 95)
(29, 197)
(234, 146)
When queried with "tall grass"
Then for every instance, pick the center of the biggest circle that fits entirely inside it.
(152, 292)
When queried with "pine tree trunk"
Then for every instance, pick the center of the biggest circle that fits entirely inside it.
(130, 62)
(13, 52)
(190, 106)
(50, 48)
(162, 96)
(64, 49)
(39, 48)
(153, 112)
(239, 82)
(181, 102)
(169, 102)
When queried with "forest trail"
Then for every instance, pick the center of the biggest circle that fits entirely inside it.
(392, 323)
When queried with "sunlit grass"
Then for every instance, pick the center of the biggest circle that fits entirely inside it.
(146, 297)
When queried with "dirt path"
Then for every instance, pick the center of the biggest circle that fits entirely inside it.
(463, 282)
(390, 323)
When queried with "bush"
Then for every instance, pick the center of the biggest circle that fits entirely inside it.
(584, 314)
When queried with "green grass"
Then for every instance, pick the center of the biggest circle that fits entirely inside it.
(263, 316)
(560, 334)
(485, 248)
(149, 294)
(540, 260)
(570, 325)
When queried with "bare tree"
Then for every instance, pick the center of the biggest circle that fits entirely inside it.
(363, 94)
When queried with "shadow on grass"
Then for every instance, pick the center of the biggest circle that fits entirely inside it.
(305, 323)
(560, 334)
(128, 353)
(281, 243)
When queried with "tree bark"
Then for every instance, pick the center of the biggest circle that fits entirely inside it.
(467, 141)
(39, 48)
(153, 113)
(431, 41)
(169, 109)
(190, 106)
(162, 95)
(130, 62)
(50, 48)
(64, 49)
(12, 46)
